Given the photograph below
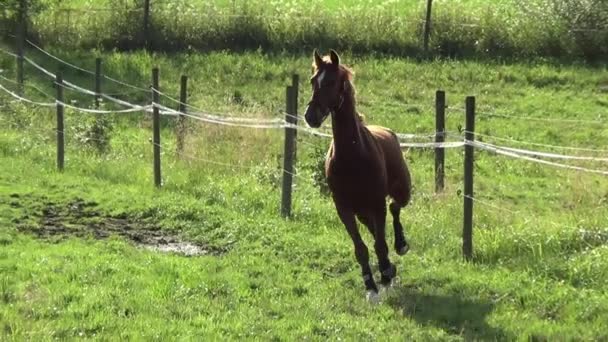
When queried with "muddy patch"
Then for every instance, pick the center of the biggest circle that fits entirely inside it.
(81, 219)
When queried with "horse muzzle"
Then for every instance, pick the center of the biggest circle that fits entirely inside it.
(315, 116)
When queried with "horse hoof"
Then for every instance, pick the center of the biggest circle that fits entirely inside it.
(372, 297)
(394, 282)
(403, 250)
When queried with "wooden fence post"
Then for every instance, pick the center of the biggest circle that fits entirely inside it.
(181, 121)
(60, 128)
(146, 28)
(295, 84)
(20, 43)
(97, 81)
(289, 154)
(439, 138)
(156, 127)
(427, 25)
(469, 164)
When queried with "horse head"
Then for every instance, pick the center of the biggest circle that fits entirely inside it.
(329, 83)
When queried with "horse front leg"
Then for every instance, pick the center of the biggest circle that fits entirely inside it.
(347, 217)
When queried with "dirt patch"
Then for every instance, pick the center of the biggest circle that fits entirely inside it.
(80, 219)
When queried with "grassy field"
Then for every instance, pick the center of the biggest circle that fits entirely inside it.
(540, 251)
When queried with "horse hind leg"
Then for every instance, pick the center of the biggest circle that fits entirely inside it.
(401, 245)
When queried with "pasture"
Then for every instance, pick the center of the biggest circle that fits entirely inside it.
(75, 261)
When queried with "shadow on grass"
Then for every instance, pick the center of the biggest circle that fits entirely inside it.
(451, 313)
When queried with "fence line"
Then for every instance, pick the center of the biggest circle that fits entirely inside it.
(214, 116)
(541, 145)
(214, 162)
(411, 136)
(449, 144)
(456, 110)
(102, 111)
(125, 84)
(84, 70)
(483, 146)
(545, 154)
(287, 171)
(202, 113)
(168, 111)
(519, 213)
(58, 59)
(508, 151)
(510, 116)
(279, 123)
(526, 217)
(80, 109)
(27, 85)
(23, 99)
(41, 132)
(72, 86)
(489, 205)
(8, 52)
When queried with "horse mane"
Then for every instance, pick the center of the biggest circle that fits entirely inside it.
(350, 93)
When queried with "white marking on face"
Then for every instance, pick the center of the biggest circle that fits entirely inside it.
(320, 78)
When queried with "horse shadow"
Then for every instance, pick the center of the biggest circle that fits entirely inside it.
(450, 313)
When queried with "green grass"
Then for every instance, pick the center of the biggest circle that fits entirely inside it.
(507, 29)
(540, 259)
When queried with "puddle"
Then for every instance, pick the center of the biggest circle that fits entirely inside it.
(80, 219)
(183, 248)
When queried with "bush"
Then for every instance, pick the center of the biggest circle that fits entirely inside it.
(587, 21)
(94, 132)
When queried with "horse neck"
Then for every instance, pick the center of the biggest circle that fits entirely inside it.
(346, 127)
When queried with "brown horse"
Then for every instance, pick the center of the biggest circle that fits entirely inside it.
(364, 165)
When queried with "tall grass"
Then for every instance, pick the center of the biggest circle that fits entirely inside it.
(569, 29)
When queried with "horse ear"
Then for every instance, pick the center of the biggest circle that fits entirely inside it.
(317, 58)
(333, 56)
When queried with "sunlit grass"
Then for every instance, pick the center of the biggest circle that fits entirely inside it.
(540, 249)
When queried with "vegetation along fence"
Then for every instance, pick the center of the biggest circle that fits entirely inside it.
(292, 125)
(569, 29)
